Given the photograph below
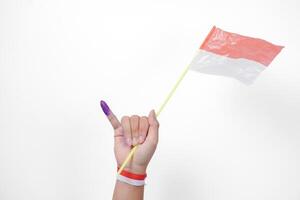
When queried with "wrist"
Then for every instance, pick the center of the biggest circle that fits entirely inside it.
(136, 169)
(136, 178)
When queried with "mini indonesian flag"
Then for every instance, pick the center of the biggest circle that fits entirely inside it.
(233, 55)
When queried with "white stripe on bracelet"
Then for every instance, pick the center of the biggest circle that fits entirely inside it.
(130, 181)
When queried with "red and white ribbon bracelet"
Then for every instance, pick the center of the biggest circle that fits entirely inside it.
(131, 178)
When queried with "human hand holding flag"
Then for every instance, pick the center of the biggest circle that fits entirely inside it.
(226, 54)
(132, 131)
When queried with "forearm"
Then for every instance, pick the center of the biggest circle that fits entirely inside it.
(124, 191)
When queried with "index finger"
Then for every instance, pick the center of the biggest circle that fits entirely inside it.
(110, 115)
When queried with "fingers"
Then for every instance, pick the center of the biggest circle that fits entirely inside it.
(143, 129)
(134, 123)
(125, 121)
(152, 136)
(135, 129)
(110, 115)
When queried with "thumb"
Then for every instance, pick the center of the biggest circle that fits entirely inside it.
(118, 130)
(152, 136)
(110, 115)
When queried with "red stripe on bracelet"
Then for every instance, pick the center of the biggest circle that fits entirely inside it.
(132, 175)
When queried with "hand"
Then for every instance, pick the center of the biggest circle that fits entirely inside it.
(134, 130)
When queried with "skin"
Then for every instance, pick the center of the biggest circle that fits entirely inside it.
(130, 131)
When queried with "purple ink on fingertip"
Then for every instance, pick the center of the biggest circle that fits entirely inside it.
(105, 107)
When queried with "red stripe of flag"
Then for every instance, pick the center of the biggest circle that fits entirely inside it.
(238, 46)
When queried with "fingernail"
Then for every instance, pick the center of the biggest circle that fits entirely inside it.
(141, 139)
(153, 113)
(105, 107)
(129, 142)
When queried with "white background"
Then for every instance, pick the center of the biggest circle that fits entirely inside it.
(219, 139)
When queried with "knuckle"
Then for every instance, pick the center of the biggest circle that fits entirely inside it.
(134, 117)
(156, 124)
(144, 118)
(143, 130)
(144, 121)
(125, 118)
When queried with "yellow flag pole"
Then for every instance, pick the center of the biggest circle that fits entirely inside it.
(132, 151)
(165, 102)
